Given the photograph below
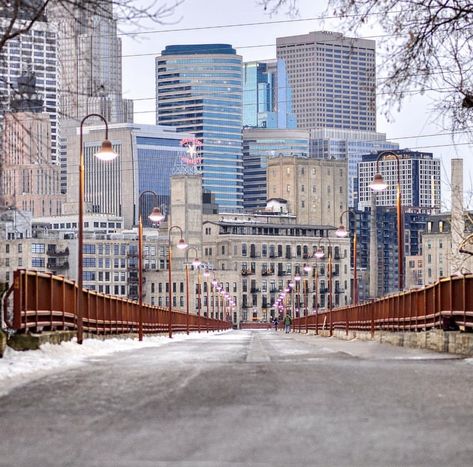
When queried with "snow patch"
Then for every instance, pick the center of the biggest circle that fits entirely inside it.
(17, 368)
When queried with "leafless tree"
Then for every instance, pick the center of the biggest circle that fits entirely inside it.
(426, 45)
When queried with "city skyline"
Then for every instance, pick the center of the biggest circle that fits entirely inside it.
(415, 127)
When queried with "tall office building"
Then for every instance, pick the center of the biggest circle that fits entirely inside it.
(90, 71)
(34, 51)
(331, 143)
(29, 180)
(90, 66)
(259, 145)
(147, 157)
(420, 180)
(199, 90)
(333, 80)
(267, 97)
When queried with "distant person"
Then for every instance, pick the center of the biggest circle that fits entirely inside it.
(287, 324)
(276, 322)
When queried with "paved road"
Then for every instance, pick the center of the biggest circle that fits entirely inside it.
(248, 398)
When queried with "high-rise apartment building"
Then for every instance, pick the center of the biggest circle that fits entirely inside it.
(29, 180)
(333, 80)
(199, 90)
(267, 97)
(420, 180)
(33, 51)
(260, 144)
(147, 157)
(315, 190)
(332, 143)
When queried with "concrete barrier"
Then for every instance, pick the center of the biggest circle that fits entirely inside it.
(3, 343)
(454, 342)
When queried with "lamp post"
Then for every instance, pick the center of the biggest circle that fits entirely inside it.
(199, 299)
(307, 270)
(342, 232)
(155, 216)
(320, 254)
(106, 153)
(207, 275)
(182, 245)
(196, 264)
(297, 281)
(214, 285)
(378, 184)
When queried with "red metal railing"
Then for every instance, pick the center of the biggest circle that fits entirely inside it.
(42, 302)
(446, 304)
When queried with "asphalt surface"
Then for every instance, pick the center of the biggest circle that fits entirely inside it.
(246, 398)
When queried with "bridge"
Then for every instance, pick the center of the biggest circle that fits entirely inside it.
(42, 302)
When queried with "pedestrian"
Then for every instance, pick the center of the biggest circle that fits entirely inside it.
(276, 322)
(287, 324)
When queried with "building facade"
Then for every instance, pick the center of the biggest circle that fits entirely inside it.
(259, 145)
(147, 157)
(29, 179)
(315, 190)
(90, 63)
(419, 177)
(331, 143)
(199, 90)
(32, 52)
(333, 80)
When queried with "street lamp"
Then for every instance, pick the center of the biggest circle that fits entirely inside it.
(106, 153)
(155, 216)
(196, 264)
(207, 275)
(182, 245)
(378, 184)
(320, 254)
(342, 232)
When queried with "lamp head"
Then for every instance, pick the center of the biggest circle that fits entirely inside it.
(156, 215)
(181, 244)
(206, 273)
(378, 183)
(319, 253)
(297, 277)
(106, 152)
(341, 232)
(196, 263)
(307, 268)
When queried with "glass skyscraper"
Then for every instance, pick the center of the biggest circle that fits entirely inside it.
(267, 99)
(199, 91)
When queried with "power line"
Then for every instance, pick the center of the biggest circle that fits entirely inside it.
(257, 23)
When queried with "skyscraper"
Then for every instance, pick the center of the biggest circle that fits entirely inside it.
(90, 67)
(199, 90)
(333, 80)
(34, 51)
(29, 180)
(267, 100)
(147, 156)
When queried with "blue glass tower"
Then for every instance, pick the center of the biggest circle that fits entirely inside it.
(199, 91)
(267, 97)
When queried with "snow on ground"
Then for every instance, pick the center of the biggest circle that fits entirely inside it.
(17, 368)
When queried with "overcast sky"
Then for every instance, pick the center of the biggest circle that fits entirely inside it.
(416, 118)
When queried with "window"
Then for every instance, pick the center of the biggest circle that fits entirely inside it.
(89, 249)
(36, 262)
(37, 248)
